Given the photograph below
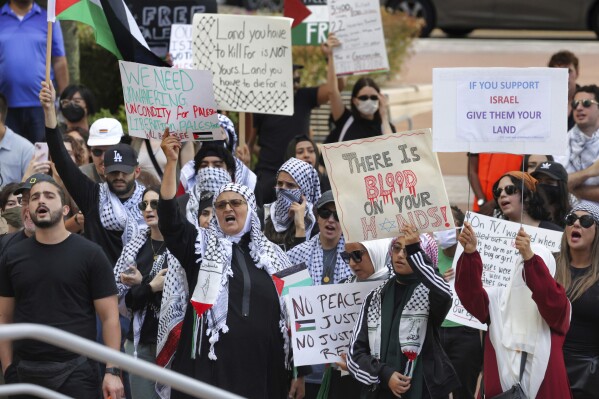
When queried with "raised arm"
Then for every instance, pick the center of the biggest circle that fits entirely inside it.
(468, 277)
(79, 186)
(337, 106)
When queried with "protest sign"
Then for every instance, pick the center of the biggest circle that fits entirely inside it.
(180, 99)
(495, 244)
(322, 319)
(315, 28)
(383, 183)
(511, 110)
(180, 46)
(155, 18)
(294, 276)
(359, 28)
(250, 58)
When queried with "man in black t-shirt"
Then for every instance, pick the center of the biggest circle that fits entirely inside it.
(61, 280)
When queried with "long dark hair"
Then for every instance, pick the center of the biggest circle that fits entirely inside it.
(360, 84)
(295, 141)
(533, 203)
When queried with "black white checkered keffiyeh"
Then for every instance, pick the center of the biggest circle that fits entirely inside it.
(121, 216)
(307, 179)
(310, 252)
(214, 254)
(208, 179)
(229, 127)
(130, 251)
(243, 175)
(589, 207)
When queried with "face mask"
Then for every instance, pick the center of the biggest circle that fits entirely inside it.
(284, 200)
(13, 217)
(551, 192)
(368, 107)
(446, 238)
(73, 113)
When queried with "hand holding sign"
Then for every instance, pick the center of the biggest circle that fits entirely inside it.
(171, 145)
(523, 244)
(468, 239)
(410, 233)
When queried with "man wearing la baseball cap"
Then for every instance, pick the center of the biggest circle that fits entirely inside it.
(103, 133)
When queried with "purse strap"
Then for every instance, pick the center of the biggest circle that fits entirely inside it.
(522, 364)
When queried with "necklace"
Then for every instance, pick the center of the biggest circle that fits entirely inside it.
(156, 253)
(328, 265)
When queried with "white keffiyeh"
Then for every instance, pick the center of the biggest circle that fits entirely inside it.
(310, 252)
(121, 216)
(208, 179)
(214, 255)
(243, 175)
(130, 251)
(582, 151)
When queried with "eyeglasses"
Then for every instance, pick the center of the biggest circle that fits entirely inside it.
(365, 97)
(585, 103)
(326, 213)
(76, 101)
(143, 205)
(585, 221)
(509, 190)
(396, 249)
(355, 255)
(97, 152)
(234, 203)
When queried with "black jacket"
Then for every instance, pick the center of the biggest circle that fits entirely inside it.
(439, 376)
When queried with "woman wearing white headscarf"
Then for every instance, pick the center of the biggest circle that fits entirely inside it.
(528, 320)
(234, 335)
(290, 219)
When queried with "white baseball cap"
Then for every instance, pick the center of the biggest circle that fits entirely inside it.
(105, 132)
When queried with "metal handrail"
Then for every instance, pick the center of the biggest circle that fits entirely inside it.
(93, 350)
(30, 389)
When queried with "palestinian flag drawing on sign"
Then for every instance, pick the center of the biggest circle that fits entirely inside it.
(203, 136)
(114, 26)
(305, 325)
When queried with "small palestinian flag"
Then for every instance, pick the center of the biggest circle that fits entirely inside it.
(203, 136)
(305, 325)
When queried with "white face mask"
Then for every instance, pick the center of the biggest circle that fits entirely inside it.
(368, 107)
(446, 238)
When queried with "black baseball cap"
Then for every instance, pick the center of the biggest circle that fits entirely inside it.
(120, 158)
(555, 170)
(325, 198)
(31, 180)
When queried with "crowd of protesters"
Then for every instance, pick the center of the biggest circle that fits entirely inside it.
(166, 251)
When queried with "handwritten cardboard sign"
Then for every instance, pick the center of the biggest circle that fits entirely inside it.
(323, 318)
(315, 28)
(358, 26)
(250, 58)
(512, 110)
(180, 46)
(495, 243)
(180, 99)
(383, 183)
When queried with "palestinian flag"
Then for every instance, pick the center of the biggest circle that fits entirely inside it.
(203, 136)
(305, 325)
(297, 10)
(113, 24)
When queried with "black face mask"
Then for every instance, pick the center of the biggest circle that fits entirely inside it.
(551, 192)
(73, 113)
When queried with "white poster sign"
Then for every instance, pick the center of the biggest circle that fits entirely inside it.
(359, 28)
(322, 319)
(250, 58)
(495, 244)
(180, 46)
(511, 110)
(180, 99)
(383, 183)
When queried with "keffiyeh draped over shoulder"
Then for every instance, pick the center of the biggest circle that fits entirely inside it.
(307, 179)
(121, 216)
(214, 254)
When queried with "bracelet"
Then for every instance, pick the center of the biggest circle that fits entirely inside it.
(113, 370)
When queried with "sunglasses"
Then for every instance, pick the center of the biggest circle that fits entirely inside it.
(326, 213)
(365, 98)
(355, 255)
(97, 152)
(143, 205)
(585, 103)
(234, 203)
(509, 190)
(585, 221)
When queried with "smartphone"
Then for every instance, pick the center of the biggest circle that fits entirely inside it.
(41, 152)
(130, 270)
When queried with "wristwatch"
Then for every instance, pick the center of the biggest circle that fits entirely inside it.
(480, 202)
(113, 370)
